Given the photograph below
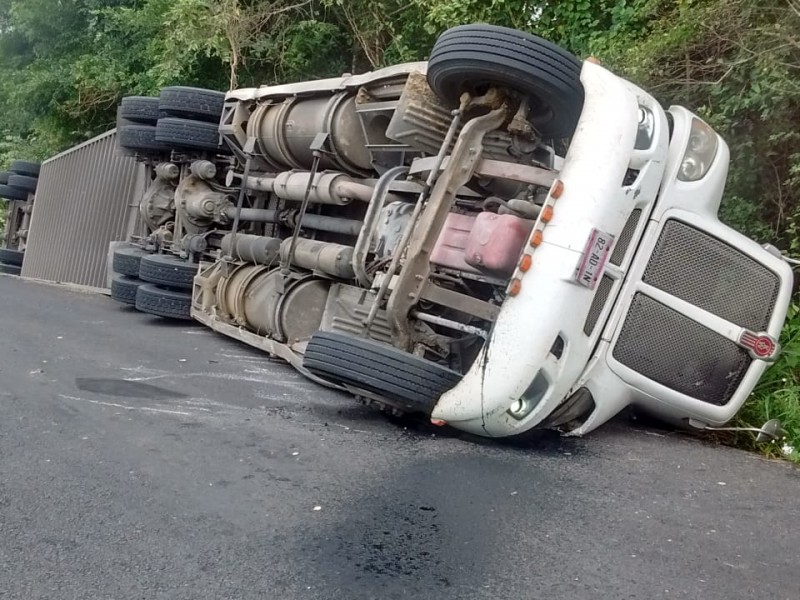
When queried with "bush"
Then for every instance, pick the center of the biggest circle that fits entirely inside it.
(777, 395)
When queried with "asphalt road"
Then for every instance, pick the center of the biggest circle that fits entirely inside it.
(141, 459)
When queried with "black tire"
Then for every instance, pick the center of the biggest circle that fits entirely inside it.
(139, 109)
(411, 383)
(163, 303)
(23, 182)
(167, 271)
(186, 133)
(121, 151)
(6, 191)
(25, 167)
(11, 257)
(473, 57)
(4, 177)
(192, 103)
(11, 269)
(123, 289)
(140, 137)
(126, 260)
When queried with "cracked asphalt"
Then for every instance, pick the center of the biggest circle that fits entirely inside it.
(144, 459)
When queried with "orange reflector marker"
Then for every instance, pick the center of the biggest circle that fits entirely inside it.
(536, 238)
(594, 60)
(514, 287)
(557, 189)
(525, 263)
(547, 214)
(438, 422)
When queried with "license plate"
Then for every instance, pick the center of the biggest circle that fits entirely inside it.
(594, 258)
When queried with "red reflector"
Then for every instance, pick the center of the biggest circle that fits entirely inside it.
(438, 422)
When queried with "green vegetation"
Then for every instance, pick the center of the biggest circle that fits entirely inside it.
(65, 65)
(777, 394)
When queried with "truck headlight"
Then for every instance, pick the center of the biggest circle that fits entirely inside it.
(647, 126)
(700, 152)
(531, 398)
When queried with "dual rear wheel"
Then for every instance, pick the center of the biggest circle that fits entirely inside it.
(157, 284)
(181, 118)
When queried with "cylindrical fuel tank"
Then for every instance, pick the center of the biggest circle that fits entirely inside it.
(301, 309)
(260, 303)
(231, 290)
(285, 132)
(261, 300)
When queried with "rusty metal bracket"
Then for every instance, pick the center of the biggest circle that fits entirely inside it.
(414, 275)
(495, 169)
(379, 195)
(461, 302)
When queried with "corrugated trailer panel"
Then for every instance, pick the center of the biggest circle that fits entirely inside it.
(84, 201)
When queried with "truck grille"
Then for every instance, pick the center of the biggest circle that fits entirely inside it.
(600, 298)
(709, 273)
(625, 237)
(675, 351)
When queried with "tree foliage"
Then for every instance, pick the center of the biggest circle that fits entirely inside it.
(736, 63)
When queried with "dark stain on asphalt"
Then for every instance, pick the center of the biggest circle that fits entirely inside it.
(126, 389)
(435, 529)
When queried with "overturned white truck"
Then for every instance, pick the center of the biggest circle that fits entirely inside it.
(425, 237)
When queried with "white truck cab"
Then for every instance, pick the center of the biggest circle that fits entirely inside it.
(636, 292)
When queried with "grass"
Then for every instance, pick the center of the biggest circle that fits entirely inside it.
(777, 396)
